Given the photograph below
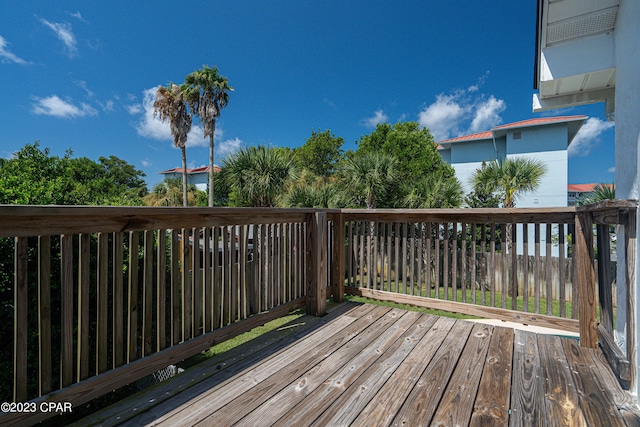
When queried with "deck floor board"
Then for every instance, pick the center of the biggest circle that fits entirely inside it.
(375, 366)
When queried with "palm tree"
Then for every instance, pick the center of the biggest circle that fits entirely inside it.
(208, 94)
(600, 192)
(434, 192)
(369, 176)
(169, 193)
(170, 105)
(511, 177)
(258, 176)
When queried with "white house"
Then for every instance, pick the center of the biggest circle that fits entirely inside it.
(588, 51)
(545, 139)
(197, 176)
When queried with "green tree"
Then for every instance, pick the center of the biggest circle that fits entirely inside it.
(370, 177)
(33, 176)
(258, 176)
(414, 148)
(433, 191)
(510, 178)
(171, 105)
(208, 94)
(320, 153)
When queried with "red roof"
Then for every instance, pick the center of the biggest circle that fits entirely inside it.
(203, 169)
(584, 188)
(480, 135)
(540, 121)
(523, 123)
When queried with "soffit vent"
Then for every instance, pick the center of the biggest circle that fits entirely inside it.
(597, 22)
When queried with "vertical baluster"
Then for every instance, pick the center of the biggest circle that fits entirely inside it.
(118, 332)
(44, 313)
(84, 284)
(21, 321)
(161, 291)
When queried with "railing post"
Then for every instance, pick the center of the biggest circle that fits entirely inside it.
(317, 248)
(605, 280)
(585, 279)
(630, 262)
(338, 258)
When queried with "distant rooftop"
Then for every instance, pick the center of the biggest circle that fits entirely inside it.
(575, 122)
(203, 169)
(584, 188)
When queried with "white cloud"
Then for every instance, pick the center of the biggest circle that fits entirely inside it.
(588, 136)
(612, 169)
(461, 112)
(7, 56)
(378, 117)
(150, 126)
(487, 114)
(146, 163)
(107, 106)
(64, 33)
(78, 16)
(83, 85)
(225, 148)
(54, 106)
(443, 117)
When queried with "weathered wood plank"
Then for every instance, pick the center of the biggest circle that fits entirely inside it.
(456, 405)
(527, 390)
(422, 402)
(570, 325)
(561, 399)
(147, 294)
(359, 393)
(153, 404)
(391, 396)
(598, 407)
(492, 400)
(586, 280)
(321, 383)
(238, 399)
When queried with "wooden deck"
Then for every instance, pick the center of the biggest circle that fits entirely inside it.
(367, 365)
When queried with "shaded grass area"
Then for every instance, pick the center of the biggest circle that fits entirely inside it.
(242, 338)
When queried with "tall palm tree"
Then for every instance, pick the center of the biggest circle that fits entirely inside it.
(170, 105)
(369, 176)
(208, 94)
(510, 178)
(259, 175)
(434, 191)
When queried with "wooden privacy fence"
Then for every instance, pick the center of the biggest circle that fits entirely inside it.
(98, 297)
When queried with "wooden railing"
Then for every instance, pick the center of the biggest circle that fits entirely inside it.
(95, 298)
(99, 297)
(532, 266)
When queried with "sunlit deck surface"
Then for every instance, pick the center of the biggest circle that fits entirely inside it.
(368, 365)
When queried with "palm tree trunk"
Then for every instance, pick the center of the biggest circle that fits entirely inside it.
(185, 200)
(211, 145)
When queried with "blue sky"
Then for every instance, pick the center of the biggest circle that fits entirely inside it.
(82, 75)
